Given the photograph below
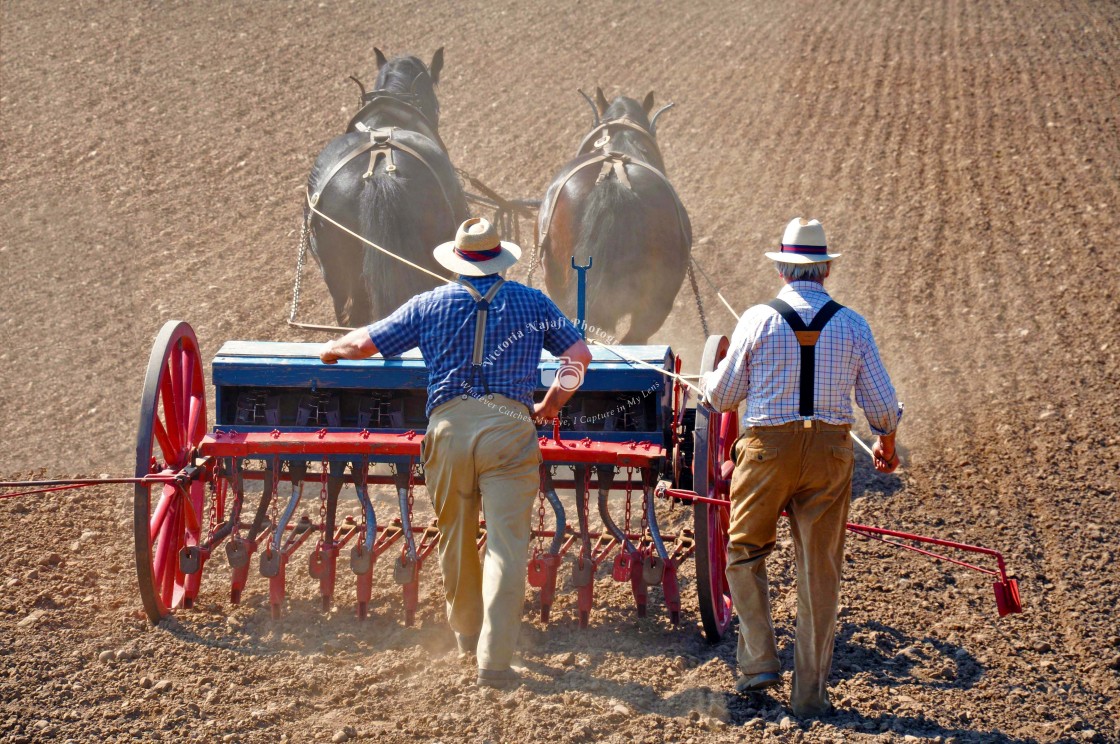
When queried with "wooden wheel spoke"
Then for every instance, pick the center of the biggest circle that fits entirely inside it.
(190, 515)
(170, 554)
(195, 407)
(166, 500)
(163, 550)
(175, 364)
(188, 392)
(177, 578)
(172, 429)
(163, 439)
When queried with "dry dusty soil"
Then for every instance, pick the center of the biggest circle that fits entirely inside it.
(964, 156)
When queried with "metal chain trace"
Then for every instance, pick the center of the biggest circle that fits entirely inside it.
(304, 243)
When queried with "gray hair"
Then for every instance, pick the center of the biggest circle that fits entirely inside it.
(811, 272)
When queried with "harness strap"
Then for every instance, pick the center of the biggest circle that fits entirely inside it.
(482, 310)
(807, 337)
(589, 143)
(381, 99)
(610, 160)
(381, 141)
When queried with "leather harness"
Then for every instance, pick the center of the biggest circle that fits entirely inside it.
(807, 337)
(609, 161)
(388, 104)
(622, 122)
(381, 144)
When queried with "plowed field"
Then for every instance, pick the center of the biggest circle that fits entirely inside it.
(964, 156)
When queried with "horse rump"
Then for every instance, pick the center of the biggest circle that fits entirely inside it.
(634, 238)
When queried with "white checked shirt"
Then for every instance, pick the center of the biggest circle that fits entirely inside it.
(763, 366)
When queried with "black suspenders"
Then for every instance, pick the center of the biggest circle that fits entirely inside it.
(807, 337)
(482, 309)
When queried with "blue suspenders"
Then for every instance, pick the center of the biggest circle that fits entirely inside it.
(482, 308)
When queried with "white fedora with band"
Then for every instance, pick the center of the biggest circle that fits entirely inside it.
(476, 250)
(802, 243)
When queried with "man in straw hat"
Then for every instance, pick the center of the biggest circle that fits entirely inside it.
(796, 360)
(481, 339)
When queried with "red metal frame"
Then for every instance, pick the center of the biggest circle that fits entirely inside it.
(1006, 588)
(374, 444)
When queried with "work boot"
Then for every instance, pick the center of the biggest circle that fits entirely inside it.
(502, 679)
(756, 682)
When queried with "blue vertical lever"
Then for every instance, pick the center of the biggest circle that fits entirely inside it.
(581, 295)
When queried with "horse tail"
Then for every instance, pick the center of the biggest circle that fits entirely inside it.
(612, 234)
(387, 217)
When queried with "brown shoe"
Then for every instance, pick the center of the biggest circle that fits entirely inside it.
(756, 682)
(502, 679)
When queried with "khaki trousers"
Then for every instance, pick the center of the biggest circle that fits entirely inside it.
(808, 473)
(483, 452)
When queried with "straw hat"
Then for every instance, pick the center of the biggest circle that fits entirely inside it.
(802, 243)
(476, 250)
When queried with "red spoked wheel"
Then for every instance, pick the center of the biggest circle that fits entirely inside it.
(172, 423)
(714, 435)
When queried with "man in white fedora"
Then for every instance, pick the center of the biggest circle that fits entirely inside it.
(481, 337)
(796, 361)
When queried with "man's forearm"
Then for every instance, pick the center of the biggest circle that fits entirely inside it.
(354, 345)
(563, 386)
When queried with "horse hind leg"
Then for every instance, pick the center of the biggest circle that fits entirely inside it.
(646, 322)
(339, 259)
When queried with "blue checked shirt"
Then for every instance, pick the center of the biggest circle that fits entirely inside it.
(763, 366)
(441, 322)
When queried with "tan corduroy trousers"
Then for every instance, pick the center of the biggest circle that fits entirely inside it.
(483, 452)
(808, 473)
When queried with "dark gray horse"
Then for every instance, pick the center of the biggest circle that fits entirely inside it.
(390, 180)
(614, 205)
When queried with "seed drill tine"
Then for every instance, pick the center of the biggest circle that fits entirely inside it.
(606, 475)
(271, 473)
(401, 480)
(583, 570)
(227, 528)
(238, 549)
(297, 470)
(557, 510)
(406, 569)
(274, 561)
(628, 562)
(638, 584)
(360, 470)
(659, 567)
(191, 555)
(362, 555)
(327, 554)
(551, 560)
(654, 562)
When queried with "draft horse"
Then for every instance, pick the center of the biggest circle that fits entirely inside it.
(390, 180)
(614, 205)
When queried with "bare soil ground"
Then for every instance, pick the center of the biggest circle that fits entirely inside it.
(965, 157)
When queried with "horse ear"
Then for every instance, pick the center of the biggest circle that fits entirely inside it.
(647, 104)
(601, 100)
(436, 65)
(380, 58)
